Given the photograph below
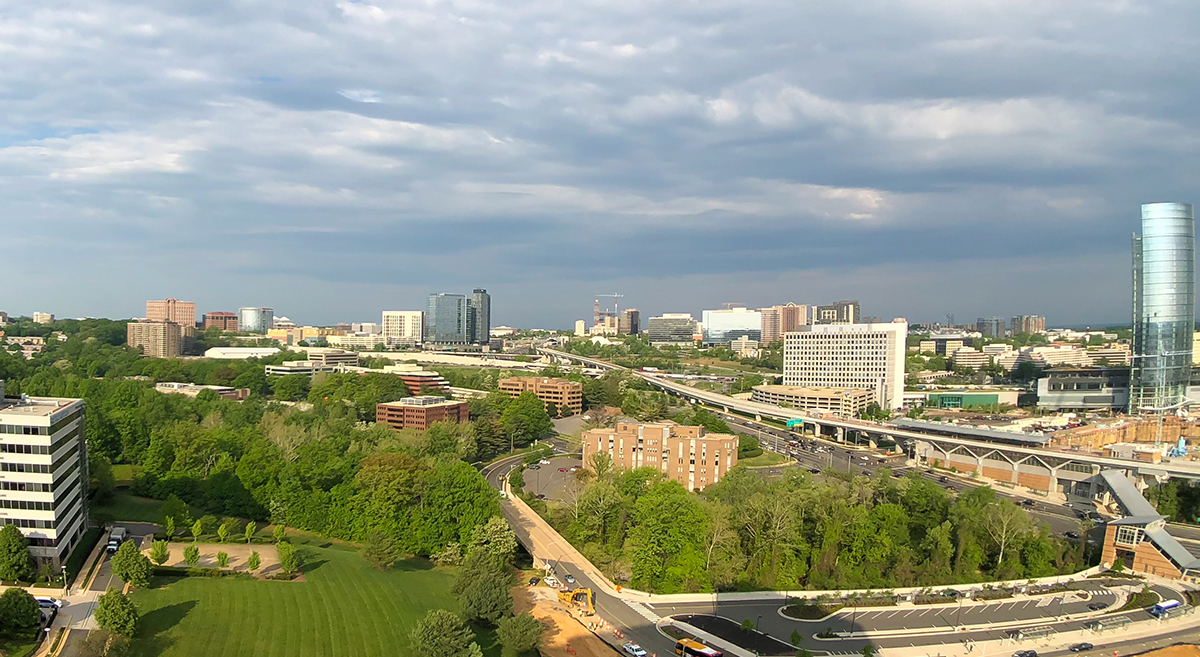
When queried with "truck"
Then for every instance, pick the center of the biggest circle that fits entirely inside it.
(116, 538)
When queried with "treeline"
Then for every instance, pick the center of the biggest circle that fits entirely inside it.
(325, 468)
(747, 533)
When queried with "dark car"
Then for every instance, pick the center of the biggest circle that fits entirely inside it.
(1080, 647)
(1074, 536)
(943, 479)
(1026, 502)
(541, 496)
(535, 466)
(533, 581)
(1097, 606)
(815, 470)
(1025, 653)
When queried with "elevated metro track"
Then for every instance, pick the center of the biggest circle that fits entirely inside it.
(1037, 468)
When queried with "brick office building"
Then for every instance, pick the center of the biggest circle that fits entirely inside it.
(420, 412)
(684, 453)
(561, 392)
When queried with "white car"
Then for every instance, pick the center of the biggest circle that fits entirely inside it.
(634, 649)
(544, 461)
(865, 457)
(45, 601)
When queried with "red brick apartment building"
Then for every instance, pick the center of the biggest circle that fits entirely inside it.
(420, 412)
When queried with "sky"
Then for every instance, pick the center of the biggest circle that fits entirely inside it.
(333, 159)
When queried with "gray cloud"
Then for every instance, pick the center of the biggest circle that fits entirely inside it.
(333, 159)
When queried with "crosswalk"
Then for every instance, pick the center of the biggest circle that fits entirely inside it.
(643, 611)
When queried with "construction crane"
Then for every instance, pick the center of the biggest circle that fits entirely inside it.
(599, 314)
(732, 305)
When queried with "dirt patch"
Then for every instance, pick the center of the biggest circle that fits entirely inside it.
(1187, 650)
(239, 555)
(565, 636)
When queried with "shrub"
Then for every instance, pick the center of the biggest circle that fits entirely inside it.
(223, 559)
(254, 561)
(191, 555)
(160, 552)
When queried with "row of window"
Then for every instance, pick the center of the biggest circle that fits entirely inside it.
(25, 486)
(28, 524)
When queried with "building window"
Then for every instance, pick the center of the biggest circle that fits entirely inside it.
(1129, 535)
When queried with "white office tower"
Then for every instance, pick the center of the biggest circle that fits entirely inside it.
(44, 473)
(403, 327)
(867, 356)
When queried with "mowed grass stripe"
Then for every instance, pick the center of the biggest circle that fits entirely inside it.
(345, 608)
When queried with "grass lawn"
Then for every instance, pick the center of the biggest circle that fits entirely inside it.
(125, 506)
(124, 473)
(764, 460)
(345, 607)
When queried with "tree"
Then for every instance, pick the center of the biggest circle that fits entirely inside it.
(292, 387)
(279, 533)
(520, 633)
(131, 565)
(18, 609)
(222, 533)
(525, 418)
(191, 555)
(1005, 522)
(868, 650)
(160, 552)
(197, 529)
(747, 625)
(496, 539)
(254, 561)
(170, 527)
(381, 550)
(602, 464)
(15, 562)
(103, 483)
(115, 612)
(796, 639)
(251, 527)
(442, 634)
(174, 508)
(289, 558)
(222, 559)
(482, 587)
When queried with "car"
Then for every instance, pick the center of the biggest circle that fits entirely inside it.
(562, 469)
(1097, 606)
(1073, 535)
(575, 468)
(540, 496)
(1069, 505)
(1080, 647)
(634, 649)
(544, 461)
(534, 466)
(1026, 502)
(943, 479)
(1025, 653)
(533, 581)
(815, 470)
(864, 457)
(570, 579)
(45, 601)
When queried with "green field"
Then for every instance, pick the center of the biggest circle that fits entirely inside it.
(125, 506)
(764, 460)
(125, 473)
(345, 608)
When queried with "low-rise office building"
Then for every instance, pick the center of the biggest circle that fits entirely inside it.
(221, 320)
(306, 367)
(846, 402)
(420, 412)
(43, 318)
(362, 342)
(240, 353)
(44, 473)
(971, 398)
(327, 356)
(560, 392)
(970, 357)
(192, 389)
(672, 328)
(685, 454)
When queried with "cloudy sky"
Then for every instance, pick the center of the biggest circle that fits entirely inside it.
(336, 158)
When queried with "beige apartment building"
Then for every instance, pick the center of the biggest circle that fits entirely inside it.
(683, 453)
(156, 339)
(778, 320)
(561, 392)
(846, 402)
(172, 310)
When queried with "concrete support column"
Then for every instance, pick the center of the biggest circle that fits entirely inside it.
(841, 434)
(816, 429)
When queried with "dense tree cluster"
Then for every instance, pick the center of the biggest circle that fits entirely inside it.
(796, 533)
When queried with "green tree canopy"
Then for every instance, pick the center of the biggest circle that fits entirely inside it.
(18, 609)
(116, 613)
(131, 565)
(15, 562)
(442, 634)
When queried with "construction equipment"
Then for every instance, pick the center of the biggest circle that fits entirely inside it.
(581, 598)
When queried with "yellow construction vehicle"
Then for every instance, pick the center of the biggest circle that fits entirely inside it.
(581, 598)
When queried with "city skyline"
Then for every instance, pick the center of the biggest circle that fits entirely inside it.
(691, 154)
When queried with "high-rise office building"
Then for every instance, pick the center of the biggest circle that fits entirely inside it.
(778, 320)
(256, 320)
(724, 326)
(403, 327)
(480, 316)
(990, 327)
(1027, 324)
(172, 310)
(446, 319)
(1164, 306)
(156, 339)
(839, 312)
(580, 328)
(848, 356)
(44, 479)
(630, 322)
(671, 328)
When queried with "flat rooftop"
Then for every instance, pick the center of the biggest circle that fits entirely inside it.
(14, 407)
(812, 390)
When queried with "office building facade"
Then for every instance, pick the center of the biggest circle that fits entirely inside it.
(1164, 306)
(43, 318)
(44, 473)
(420, 412)
(671, 328)
(221, 320)
(777, 320)
(630, 322)
(686, 454)
(403, 327)
(567, 396)
(479, 316)
(156, 339)
(839, 312)
(990, 327)
(172, 310)
(724, 326)
(846, 402)
(446, 319)
(869, 356)
(256, 320)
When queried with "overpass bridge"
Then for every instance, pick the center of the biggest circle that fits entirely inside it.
(1009, 459)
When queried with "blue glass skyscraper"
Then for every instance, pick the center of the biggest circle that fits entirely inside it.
(446, 319)
(1164, 306)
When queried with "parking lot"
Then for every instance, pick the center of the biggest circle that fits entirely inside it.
(551, 479)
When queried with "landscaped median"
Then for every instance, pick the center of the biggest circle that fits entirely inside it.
(208, 556)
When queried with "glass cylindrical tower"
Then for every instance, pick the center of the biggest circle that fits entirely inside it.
(1164, 306)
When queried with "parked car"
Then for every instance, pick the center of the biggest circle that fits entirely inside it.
(534, 466)
(633, 649)
(540, 496)
(1026, 502)
(544, 461)
(533, 581)
(1080, 647)
(562, 469)
(943, 479)
(1097, 606)
(815, 470)
(1025, 653)
(1073, 535)
(45, 601)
